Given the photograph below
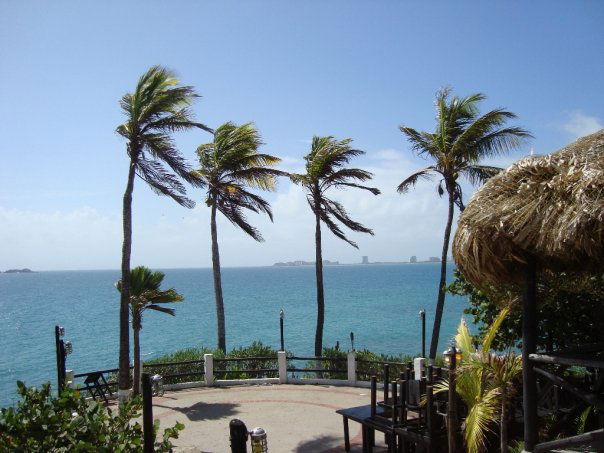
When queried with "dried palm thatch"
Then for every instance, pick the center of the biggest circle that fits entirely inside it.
(550, 207)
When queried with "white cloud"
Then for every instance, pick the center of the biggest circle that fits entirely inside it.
(579, 124)
(404, 225)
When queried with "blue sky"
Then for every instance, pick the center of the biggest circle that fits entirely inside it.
(348, 69)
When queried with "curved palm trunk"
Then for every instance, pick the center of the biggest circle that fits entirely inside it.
(440, 303)
(124, 359)
(320, 296)
(217, 282)
(136, 389)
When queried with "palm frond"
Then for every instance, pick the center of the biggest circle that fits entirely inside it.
(333, 227)
(479, 420)
(235, 215)
(337, 210)
(169, 311)
(412, 180)
(163, 182)
(490, 335)
(479, 174)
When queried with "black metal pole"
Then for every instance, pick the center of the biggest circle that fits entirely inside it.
(352, 340)
(59, 360)
(63, 372)
(529, 336)
(148, 434)
(422, 315)
(238, 436)
(281, 316)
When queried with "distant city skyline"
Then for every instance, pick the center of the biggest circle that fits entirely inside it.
(296, 70)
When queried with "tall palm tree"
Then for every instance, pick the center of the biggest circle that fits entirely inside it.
(228, 167)
(461, 139)
(145, 294)
(325, 169)
(157, 108)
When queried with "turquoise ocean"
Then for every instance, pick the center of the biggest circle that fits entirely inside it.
(379, 303)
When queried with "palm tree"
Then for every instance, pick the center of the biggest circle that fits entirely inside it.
(228, 167)
(157, 108)
(461, 139)
(325, 169)
(145, 294)
(484, 381)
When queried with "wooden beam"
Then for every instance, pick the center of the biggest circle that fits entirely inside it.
(593, 438)
(567, 360)
(589, 398)
(529, 344)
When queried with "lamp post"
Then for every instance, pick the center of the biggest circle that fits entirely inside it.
(352, 340)
(452, 355)
(281, 318)
(422, 317)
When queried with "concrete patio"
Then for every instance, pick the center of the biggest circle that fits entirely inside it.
(297, 418)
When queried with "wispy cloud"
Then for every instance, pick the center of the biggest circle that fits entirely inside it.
(579, 124)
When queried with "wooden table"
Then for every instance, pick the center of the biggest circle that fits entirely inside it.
(362, 415)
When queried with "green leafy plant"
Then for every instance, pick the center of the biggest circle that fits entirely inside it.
(42, 423)
(485, 383)
(145, 294)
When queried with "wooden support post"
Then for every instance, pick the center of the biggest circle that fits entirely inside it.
(148, 434)
(394, 403)
(386, 379)
(373, 395)
(429, 409)
(403, 401)
(529, 337)
(452, 405)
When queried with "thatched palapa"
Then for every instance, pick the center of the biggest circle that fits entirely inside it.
(551, 207)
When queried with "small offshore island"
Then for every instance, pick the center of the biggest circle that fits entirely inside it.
(18, 271)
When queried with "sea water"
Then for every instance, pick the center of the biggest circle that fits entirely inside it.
(379, 303)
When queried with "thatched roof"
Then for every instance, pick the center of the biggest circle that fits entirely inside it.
(549, 206)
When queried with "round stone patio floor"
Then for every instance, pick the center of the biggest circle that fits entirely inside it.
(297, 418)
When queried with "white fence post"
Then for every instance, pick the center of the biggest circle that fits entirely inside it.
(418, 367)
(208, 368)
(282, 362)
(69, 378)
(352, 367)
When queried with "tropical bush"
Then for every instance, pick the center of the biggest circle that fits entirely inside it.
(486, 383)
(368, 364)
(42, 423)
(238, 369)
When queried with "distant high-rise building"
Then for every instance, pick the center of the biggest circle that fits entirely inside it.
(365, 260)
(434, 259)
(413, 259)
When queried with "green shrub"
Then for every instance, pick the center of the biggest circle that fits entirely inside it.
(256, 349)
(42, 423)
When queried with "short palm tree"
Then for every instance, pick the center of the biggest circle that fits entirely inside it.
(325, 169)
(229, 166)
(485, 383)
(461, 139)
(145, 294)
(157, 108)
